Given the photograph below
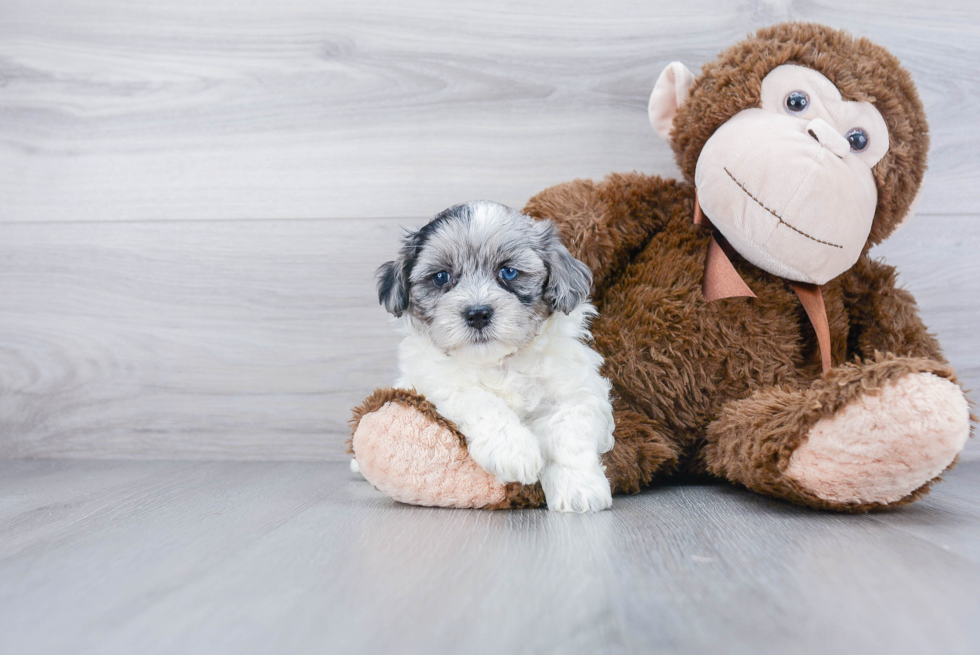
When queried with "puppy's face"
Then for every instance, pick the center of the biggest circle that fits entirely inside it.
(481, 278)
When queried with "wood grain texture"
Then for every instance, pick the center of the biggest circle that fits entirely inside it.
(199, 339)
(143, 110)
(181, 557)
(162, 293)
(252, 339)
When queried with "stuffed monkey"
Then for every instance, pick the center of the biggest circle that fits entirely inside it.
(746, 331)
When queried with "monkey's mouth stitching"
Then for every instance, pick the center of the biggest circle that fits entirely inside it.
(778, 217)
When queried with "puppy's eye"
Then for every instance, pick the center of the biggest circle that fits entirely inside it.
(858, 139)
(507, 273)
(441, 279)
(797, 102)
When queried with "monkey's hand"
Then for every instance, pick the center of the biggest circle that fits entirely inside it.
(414, 455)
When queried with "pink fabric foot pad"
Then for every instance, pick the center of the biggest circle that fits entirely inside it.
(881, 448)
(414, 460)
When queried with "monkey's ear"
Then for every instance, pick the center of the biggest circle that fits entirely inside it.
(669, 93)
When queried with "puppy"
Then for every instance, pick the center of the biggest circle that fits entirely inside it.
(495, 315)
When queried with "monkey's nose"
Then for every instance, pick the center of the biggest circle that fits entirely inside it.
(828, 137)
(479, 316)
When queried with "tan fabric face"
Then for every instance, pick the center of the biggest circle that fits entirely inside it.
(796, 204)
(826, 104)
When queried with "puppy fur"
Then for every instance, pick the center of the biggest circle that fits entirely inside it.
(518, 380)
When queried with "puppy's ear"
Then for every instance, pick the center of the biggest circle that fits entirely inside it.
(392, 287)
(393, 276)
(569, 280)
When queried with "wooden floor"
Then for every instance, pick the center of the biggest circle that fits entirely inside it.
(262, 557)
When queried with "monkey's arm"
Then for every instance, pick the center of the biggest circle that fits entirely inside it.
(603, 223)
(883, 317)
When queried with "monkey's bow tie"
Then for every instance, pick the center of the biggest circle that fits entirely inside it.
(721, 280)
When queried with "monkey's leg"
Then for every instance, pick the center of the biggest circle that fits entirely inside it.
(641, 454)
(412, 454)
(863, 437)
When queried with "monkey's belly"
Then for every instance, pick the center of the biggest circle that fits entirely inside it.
(677, 358)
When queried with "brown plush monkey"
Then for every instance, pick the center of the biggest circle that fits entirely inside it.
(806, 147)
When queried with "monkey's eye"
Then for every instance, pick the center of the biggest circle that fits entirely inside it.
(507, 273)
(441, 279)
(797, 102)
(858, 139)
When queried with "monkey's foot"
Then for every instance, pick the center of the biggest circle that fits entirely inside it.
(412, 454)
(881, 448)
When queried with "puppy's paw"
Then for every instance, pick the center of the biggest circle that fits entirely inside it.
(607, 441)
(512, 456)
(575, 490)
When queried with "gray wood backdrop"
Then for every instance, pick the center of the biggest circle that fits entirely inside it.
(194, 194)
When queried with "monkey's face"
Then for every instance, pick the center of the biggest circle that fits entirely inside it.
(789, 183)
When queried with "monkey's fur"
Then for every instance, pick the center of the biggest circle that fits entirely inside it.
(732, 388)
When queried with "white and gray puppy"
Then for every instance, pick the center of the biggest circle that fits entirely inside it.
(496, 317)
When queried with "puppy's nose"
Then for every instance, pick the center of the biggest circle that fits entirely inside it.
(479, 316)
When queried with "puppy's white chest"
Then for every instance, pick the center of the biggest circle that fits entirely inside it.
(518, 391)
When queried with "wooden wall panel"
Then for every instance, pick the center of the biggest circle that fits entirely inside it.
(197, 339)
(190, 109)
(252, 339)
(194, 195)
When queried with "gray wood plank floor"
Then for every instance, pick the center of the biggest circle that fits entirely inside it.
(232, 557)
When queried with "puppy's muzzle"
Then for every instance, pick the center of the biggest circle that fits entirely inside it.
(478, 317)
